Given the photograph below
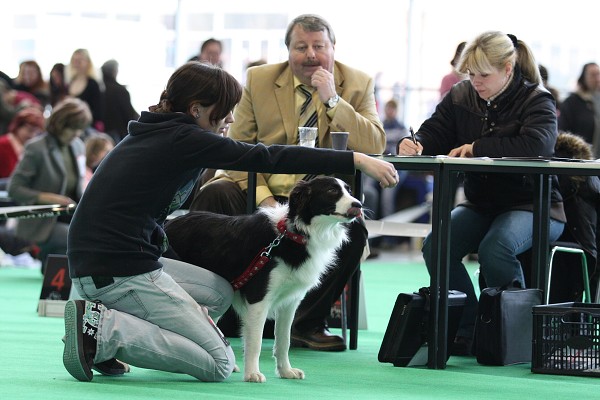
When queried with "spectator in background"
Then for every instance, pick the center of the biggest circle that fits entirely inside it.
(83, 85)
(97, 146)
(7, 108)
(51, 172)
(11, 101)
(27, 123)
(453, 76)
(117, 107)
(59, 89)
(31, 80)
(551, 89)
(386, 199)
(210, 52)
(580, 111)
(394, 129)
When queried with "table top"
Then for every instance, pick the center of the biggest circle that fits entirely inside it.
(548, 165)
(36, 211)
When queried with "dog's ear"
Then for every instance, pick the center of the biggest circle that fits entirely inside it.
(299, 198)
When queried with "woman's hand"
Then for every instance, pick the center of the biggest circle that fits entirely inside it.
(53, 198)
(407, 147)
(464, 151)
(382, 171)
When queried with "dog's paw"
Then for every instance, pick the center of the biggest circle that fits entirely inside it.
(236, 368)
(254, 377)
(291, 373)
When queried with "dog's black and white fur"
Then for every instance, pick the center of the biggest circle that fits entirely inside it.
(319, 210)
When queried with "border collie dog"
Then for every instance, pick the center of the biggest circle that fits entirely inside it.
(272, 258)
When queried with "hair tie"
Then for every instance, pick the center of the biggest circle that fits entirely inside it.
(514, 40)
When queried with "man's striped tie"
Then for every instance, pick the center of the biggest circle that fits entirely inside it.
(308, 111)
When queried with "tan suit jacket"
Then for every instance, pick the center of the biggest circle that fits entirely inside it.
(267, 114)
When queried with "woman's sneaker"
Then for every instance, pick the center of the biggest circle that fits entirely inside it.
(81, 325)
(112, 367)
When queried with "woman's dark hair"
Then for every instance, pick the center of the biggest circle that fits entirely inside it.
(58, 87)
(210, 41)
(581, 80)
(203, 83)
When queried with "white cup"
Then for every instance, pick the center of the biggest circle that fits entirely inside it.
(339, 140)
(307, 135)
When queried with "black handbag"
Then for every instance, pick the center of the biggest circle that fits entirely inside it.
(405, 340)
(504, 325)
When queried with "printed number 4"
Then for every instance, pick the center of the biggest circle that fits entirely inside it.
(58, 281)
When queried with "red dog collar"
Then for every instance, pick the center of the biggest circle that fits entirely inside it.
(264, 256)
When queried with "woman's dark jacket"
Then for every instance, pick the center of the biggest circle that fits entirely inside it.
(520, 122)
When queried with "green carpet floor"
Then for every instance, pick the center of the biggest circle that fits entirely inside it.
(31, 360)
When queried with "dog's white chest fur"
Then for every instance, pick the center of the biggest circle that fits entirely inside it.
(289, 285)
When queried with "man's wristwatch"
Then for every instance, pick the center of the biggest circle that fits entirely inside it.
(332, 102)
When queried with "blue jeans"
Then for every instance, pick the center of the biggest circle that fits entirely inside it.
(498, 239)
(162, 320)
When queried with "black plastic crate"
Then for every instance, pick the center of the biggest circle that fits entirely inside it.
(566, 339)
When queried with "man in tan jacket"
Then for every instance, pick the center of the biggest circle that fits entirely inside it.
(269, 113)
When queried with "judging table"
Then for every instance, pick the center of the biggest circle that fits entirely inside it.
(36, 211)
(445, 171)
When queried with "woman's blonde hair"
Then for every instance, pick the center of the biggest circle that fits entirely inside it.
(492, 50)
(91, 71)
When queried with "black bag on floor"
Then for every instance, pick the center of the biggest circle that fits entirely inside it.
(504, 325)
(405, 340)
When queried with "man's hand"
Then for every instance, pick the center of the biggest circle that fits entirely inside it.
(324, 82)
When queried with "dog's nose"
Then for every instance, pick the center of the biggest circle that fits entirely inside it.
(356, 204)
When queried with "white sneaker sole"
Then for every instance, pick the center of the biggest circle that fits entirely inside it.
(73, 355)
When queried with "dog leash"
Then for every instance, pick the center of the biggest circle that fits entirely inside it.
(264, 256)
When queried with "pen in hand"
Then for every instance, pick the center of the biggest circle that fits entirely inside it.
(412, 135)
(413, 138)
